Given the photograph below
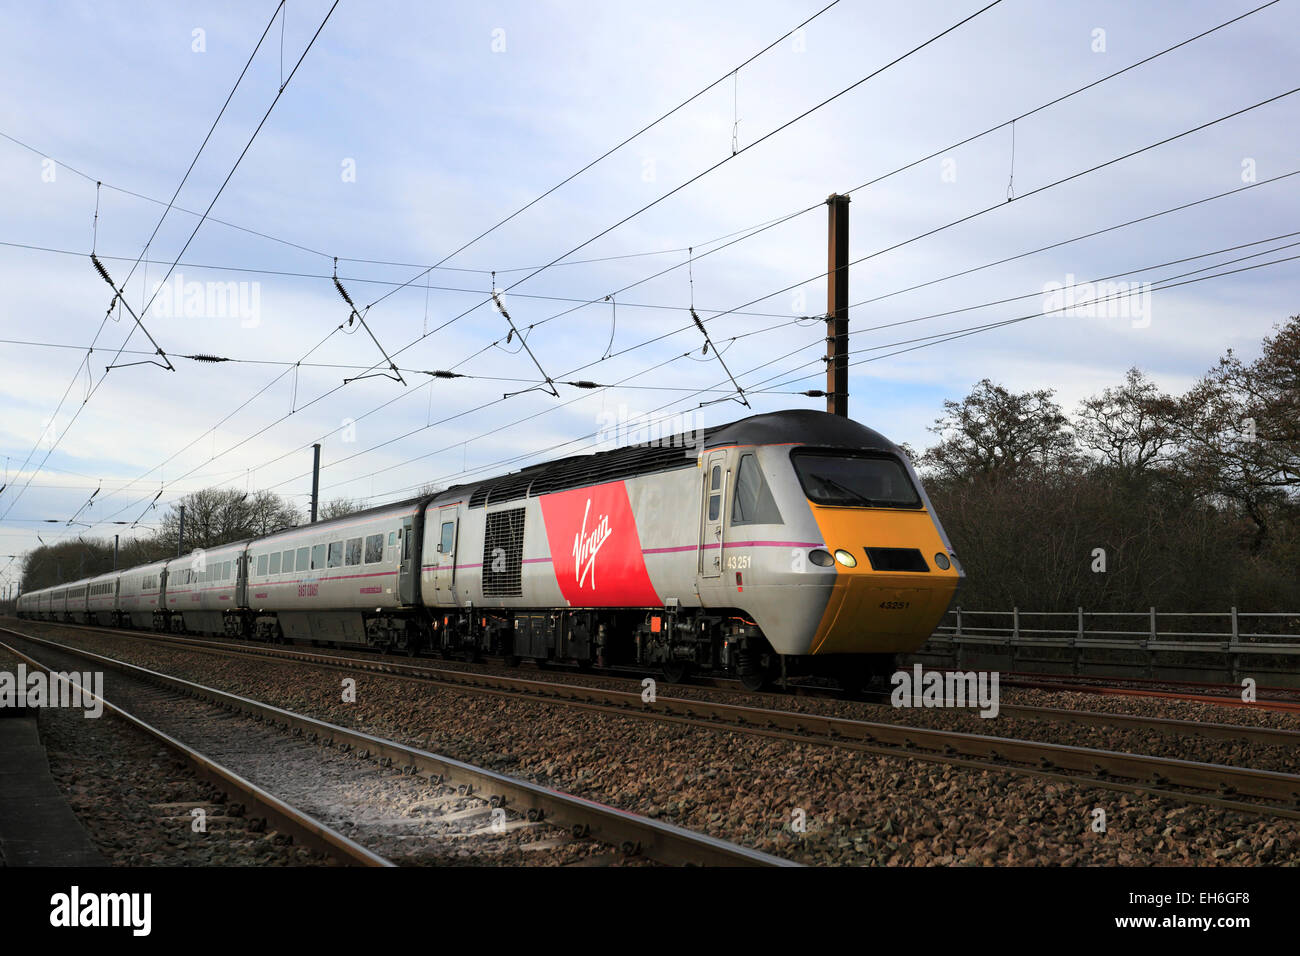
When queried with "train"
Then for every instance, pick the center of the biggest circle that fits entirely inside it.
(783, 544)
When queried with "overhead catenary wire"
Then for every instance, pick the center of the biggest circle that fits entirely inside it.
(1166, 283)
(735, 310)
(406, 264)
(1041, 292)
(647, 421)
(1058, 99)
(117, 294)
(940, 228)
(757, 387)
(971, 138)
(804, 23)
(361, 319)
(988, 209)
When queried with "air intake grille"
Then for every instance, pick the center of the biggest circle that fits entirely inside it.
(503, 553)
(896, 559)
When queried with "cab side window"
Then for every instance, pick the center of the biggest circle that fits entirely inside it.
(752, 501)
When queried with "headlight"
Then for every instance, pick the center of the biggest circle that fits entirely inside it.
(846, 559)
(821, 558)
(942, 561)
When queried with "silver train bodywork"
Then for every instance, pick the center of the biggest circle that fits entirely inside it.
(785, 542)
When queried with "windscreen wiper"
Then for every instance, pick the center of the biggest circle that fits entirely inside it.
(845, 489)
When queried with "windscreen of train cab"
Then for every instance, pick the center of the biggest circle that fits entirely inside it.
(848, 480)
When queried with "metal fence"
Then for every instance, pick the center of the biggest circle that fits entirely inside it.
(1268, 631)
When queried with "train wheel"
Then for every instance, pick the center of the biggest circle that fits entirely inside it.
(677, 672)
(754, 670)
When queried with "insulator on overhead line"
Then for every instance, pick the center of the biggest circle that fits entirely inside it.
(583, 383)
(496, 297)
(439, 373)
(207, 358)
(99, 267)
(344, 292)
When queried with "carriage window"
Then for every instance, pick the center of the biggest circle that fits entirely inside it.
(715, 480)
(715, 507)
(286, 562)
(336, 554)
(353, 555)
(261, 564)
(225, 570)
(374, 548)
(317, 557)
(301, 562)
(392, 538)
(448, 537)
(275, 564)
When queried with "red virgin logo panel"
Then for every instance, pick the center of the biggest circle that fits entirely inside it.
(595, 549)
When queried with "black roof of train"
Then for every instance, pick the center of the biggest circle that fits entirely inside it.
(793, 426)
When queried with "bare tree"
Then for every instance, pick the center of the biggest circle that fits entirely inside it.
(339, 507)
(215, 516)
(994, 433)
(1133, 428)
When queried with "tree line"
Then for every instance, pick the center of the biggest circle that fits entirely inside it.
(1139, 498)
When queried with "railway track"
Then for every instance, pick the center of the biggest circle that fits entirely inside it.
(1230, 787)
(630, 835)
(407, 667)
(257, 802)
(1226, 695)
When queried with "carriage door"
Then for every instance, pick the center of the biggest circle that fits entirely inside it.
(241, 579)
(444, 576)
(406, 570)
(712, 510)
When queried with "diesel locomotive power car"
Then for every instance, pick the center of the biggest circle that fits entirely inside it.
(786, 543)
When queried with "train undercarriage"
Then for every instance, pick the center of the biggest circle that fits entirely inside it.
(676, 642)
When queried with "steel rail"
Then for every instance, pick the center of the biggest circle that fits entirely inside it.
(1147, 773)
(301, 827)
(584, 818)
(471, 680)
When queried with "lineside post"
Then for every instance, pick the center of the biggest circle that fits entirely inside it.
(315, 480)
(837, 307)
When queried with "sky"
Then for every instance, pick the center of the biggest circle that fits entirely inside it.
(410, 129)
